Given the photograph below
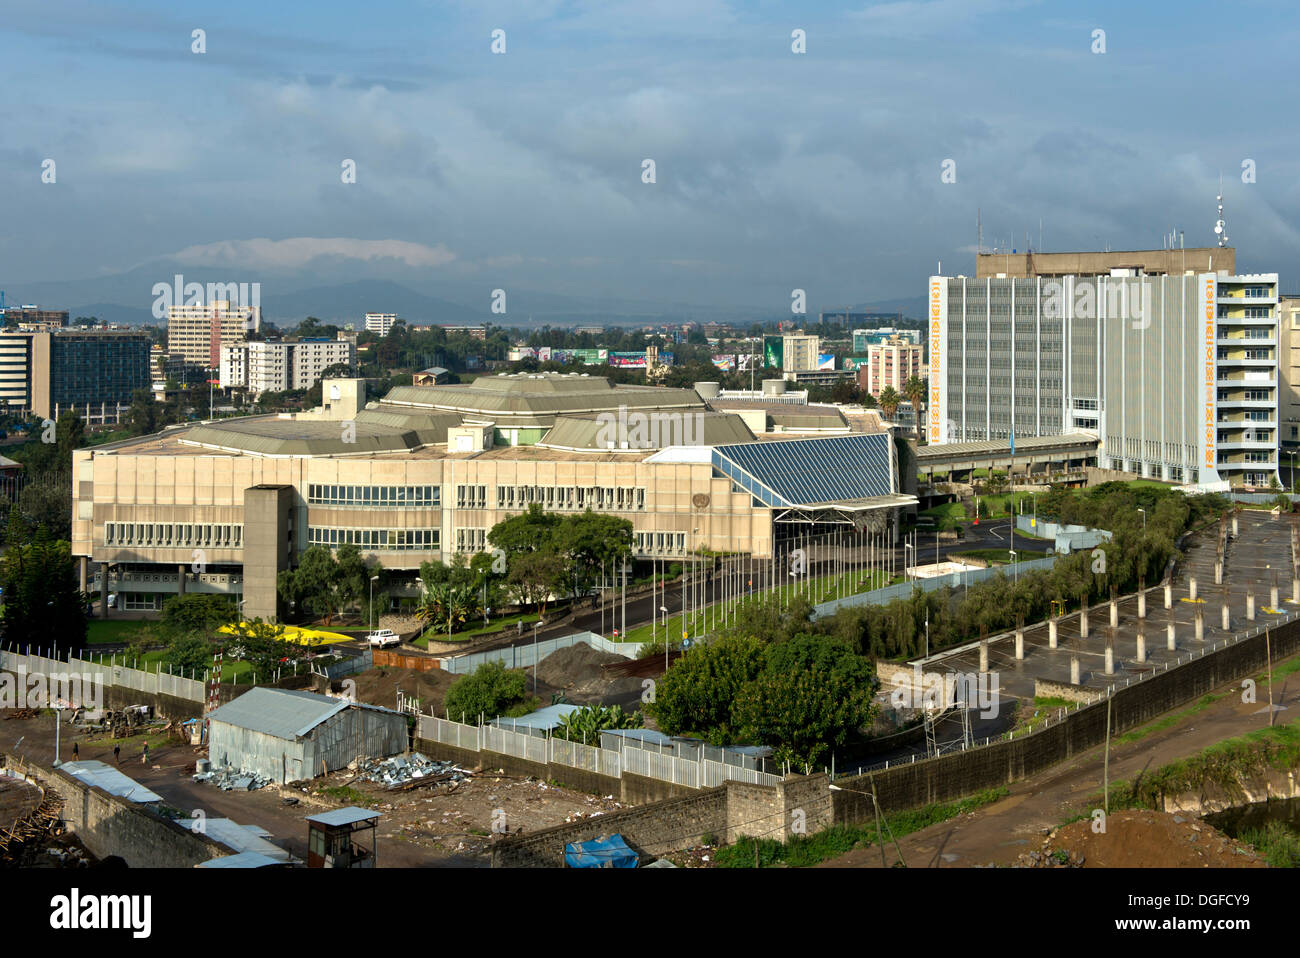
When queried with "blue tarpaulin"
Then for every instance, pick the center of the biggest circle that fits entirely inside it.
(611, 852)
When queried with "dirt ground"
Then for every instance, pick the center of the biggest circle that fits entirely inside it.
(418, 829)
(1137, 838)
(999, 833)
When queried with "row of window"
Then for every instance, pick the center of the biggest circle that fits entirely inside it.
(471, 497)
(661, 543)
(580, 498)
(471, 540)
(381, 540)
(410, 497)
(175, 535)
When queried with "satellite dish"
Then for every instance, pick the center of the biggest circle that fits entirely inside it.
(335, 393)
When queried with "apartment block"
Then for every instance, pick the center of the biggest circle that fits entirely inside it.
(891, 363)
(198, 332)
(92, 371)
(1177, 375)
(274, 367)
(380, 323)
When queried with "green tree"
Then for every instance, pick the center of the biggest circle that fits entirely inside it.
(535, 576)
(197, 613)
(585, 724)
(695, 695)
(589, 541)
(889, 402)
(530, 531)
(805, 713)
(42, 604)
(189, 652)
(489, 691)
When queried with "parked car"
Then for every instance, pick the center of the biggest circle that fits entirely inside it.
(382, 638)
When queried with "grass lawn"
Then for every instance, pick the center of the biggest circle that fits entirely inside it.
(497, 625)
(949, 510)
(232, 670)
(109, 630)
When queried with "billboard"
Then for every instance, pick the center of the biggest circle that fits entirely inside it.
(854, 363)
(773, 352)
(725, 363)
(825, 361)
(634, 360)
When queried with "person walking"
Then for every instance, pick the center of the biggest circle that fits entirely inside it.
(144, 756)
(117, 754)
(75, 752)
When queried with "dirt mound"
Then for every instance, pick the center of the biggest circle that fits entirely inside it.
(577, 672)
(1141, 839)
(575, 665)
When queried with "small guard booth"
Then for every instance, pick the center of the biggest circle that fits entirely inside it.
(342, 838)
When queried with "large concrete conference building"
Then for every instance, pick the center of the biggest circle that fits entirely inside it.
(1177, 375)
(425, 472)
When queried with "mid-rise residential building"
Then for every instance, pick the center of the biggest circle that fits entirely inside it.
(891, 363)
(1178, 375)
(274, 367)
(380, 323)
(197, 332)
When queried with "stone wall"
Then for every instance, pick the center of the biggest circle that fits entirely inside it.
(650, 830)
(1047, 688)
(108, 825)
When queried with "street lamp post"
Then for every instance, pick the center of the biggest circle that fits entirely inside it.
(906, 546)
(1015, 572)
(1144, 519)
(373, 580)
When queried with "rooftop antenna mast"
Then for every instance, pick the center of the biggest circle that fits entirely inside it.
(1220, 227)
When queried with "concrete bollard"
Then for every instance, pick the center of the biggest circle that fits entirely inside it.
(1142, 646)
(1218, 573)
(1170, 643)
(1114, 613)
(1083, 623)
(1051, 634)
(1272, 597)
(1169, 596)
(1074, 670)
(1020, 644)
(1226, 626)
(984, 655)
(1295, 590)
(1110, 659)
(1142, 604)
(1191, 588)
(1234, 527)
(1200, 626)
(1250, 606)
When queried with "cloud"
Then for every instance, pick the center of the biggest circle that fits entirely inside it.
(298, 251)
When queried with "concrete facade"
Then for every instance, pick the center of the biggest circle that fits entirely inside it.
(1173, 262)
(268, 511)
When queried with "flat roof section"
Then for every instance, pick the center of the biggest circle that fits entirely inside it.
(1001, 448)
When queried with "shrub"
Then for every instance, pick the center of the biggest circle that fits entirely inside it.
(489, 691)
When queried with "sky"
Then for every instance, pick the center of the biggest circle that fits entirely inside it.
(773, 170)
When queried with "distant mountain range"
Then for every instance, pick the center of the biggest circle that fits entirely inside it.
(287, 298)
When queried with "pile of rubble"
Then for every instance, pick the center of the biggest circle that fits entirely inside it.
(231, 779)
(409, 771)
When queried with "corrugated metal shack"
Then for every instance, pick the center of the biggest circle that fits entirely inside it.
(288, 735)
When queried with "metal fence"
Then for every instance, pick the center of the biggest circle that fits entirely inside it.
(701, 773)
(349, 666)
(904, 589)
(526, 653)
(157, 682)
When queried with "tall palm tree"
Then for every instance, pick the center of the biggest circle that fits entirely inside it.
(914, 390)
(889, 400)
